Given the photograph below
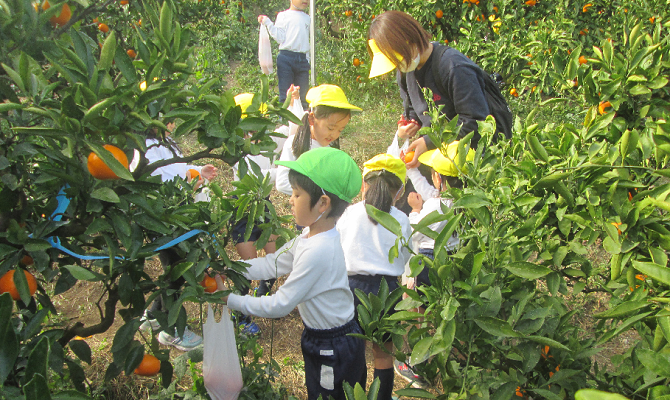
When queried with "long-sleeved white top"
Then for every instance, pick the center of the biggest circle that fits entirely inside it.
(426, 189)
(157, 151)
(366, 245)
(317, 282)
(421, 241)
(290, 30)
(282, 184)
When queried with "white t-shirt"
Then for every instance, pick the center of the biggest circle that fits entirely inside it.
(317, 282)
(291, 31)
(282, 183)
(366, 245)
(157, 152)
(421, 241)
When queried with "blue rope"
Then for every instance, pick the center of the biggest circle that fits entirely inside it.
(64, 202)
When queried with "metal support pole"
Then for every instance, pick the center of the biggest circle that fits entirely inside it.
(312, 53)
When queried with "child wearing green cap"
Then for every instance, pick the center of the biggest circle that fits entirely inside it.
(367, 244)
(329, 112)
(317, 280)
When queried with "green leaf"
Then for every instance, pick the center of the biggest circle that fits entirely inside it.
(593, 394)
(70, 395)
(107, 52)
(654, 271)
(384, 219)
(125, 65)
(83, 274)
(405, 316)
(106, 194)
(548, 342)
(472, 201)
(496, 327)
(658, 363)
(81, 349)
(38, 359)
(527, 270)
(15, 77)
(178, 270)
(37, 388)
(623, 309)
(255, 124)
(421, 351)
(9, 343)
(415, 393)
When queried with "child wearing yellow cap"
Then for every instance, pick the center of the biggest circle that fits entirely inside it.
(445, 170)
(317, 280)
(366, 246)
(329, 112)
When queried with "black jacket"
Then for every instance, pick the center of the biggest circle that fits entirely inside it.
(465, 96)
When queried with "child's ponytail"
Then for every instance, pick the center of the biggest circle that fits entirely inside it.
(383, 187)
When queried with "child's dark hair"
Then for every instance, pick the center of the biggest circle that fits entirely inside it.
(303, 137)
(452, 181)
(163, 140)
(337, 205)
(382, 189)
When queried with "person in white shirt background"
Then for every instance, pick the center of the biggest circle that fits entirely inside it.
(366, 246)
(158, 150)
(291, 31)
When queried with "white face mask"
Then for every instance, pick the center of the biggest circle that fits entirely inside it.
(412, 66)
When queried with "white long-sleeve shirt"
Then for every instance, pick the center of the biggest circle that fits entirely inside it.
(282, 184)
(366, 245)
(291, 31)
(317, 282)
(421, 241)
(156, 151)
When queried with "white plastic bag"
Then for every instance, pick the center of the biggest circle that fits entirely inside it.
(298, 111)
(264, 51)
(221, 365)
(395, 149)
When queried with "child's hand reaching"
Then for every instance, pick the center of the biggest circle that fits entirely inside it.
(261, 18)
(209, 172)
(294, 93)
(220, 285)
(415, 201)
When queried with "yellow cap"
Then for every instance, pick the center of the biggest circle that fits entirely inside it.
(380, 63)
(386, 162)
(244, 101)
(445, 166)
(329, 95)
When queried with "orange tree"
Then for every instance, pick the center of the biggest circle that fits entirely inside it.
(71, 91)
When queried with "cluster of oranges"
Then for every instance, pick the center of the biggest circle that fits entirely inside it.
(60, 19)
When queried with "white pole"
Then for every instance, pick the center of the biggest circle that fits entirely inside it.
(312, 54)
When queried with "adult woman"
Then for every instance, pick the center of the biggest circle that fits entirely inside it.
(396, 40)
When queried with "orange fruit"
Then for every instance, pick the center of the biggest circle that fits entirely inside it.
(227, 11)
(409, 157)
(533, 89)
(602, 106)
(149, 366)
(209, 284)
(531, 2)
(7, 284)
(439, 14)
(348, 13)
(652, 19)
(357, 62)
(583, 32)
(586, 7)
(99, 169)
(495, 9)
(131, 53)
(193, 174)
(95, 20)
(582, 60)
(60, 19)
(518, 391)
(124, 2)
(27, 260)
(103, 28)
(513, 92)
(139, 22)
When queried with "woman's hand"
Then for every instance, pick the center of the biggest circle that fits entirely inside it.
(418, 147)
(261, 18)
(409, 130)
(209, 172)
(415, 201)
(294, 93)
(220, 285)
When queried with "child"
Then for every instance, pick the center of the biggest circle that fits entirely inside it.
(291, 31)
(328, 115)
(366, 246)
(156, 151)
(445, 174)
(317, 276)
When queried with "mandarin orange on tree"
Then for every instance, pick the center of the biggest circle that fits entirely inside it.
(60, 19)
(439, 14)
(131, 53)
(149, 366)
(103, 27)
(193, 173)
(99, 169)
(7, 284)
(209, 284)
(602, 106)
(357, 62)
(582, 60)
(514, 92)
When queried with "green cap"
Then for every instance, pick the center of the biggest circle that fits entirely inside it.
(331, 169)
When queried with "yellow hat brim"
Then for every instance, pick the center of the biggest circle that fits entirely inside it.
(380, 63)
(329, 95)
(386, 162)
(443, 165)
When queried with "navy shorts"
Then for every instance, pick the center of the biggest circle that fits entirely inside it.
(370, 284)
(332, 357)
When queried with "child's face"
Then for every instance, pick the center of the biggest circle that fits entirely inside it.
(300, 207)
(327, 130)
(299, 4)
